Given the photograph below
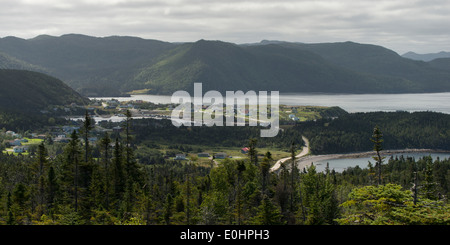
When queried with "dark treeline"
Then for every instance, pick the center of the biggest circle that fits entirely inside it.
(114, 188)
(163, 132)
(404, 171)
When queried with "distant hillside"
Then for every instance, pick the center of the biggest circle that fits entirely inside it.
(418, 76)
(91, 65)
(426, 57)
(112, 66)
(441, 63)
(283, 67)
(24, 95)
(8, 62)
(28, 92)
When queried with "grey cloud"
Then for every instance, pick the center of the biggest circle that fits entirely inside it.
(400, 25)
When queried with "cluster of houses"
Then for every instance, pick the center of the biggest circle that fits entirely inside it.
(17, 143)
(114, 104)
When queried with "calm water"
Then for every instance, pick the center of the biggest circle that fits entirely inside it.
(340, 164)
(438, 102)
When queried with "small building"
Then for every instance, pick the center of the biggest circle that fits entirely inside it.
(220, 155)
(180, 157)
(110, 107)
(19, 149)
(16, 142)
(12, 134)
(41, 136)
(70, 129)
(293, 117)
(113, 102)
(245, 150)
(61, 139)
(92, 139)
(203, 154)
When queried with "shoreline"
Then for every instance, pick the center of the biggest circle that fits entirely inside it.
(309, 159)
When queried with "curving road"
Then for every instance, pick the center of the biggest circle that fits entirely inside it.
(303, 153)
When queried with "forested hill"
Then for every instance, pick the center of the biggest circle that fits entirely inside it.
(115, 65)
(28, 92)
(88, 64)
(8, 62)
(224, 66)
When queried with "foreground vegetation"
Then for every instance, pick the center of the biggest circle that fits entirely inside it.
(114, 187)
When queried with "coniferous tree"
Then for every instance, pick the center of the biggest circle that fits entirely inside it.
(283, 191)
(429, 187)
(119, 175)
(87, 126)
(10, 219)
(294, 180)
(268, 213)
(20, 198)
(168, 209)
(377, 139)
(42, 163)
(52, 187)
(240, 167)
(252, 152)
(73, 158)
(105, 144)
(188, 193)
(265, 173)
(132, 172)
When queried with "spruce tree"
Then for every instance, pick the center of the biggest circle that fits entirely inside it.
(294, 175)
(73, 158)
(52, 188)
(87, 126)
(268, 213)
(252, 152)
(377, 139)
(429, 187)
(119, 175)
(105, 144)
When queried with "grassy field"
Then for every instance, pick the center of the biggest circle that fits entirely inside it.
(32, 141)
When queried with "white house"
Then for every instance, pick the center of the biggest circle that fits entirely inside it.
(12, 134)
(180, 157)
(19, 149)
(220, 155)
(203, 154)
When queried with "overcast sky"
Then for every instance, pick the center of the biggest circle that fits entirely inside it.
(421, 26)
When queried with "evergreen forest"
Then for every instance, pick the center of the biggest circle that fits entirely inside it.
(107, 184)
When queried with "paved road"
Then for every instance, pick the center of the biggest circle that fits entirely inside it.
(303, 153)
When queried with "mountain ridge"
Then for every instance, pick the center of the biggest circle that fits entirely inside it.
(426, 57)
(115, 65)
